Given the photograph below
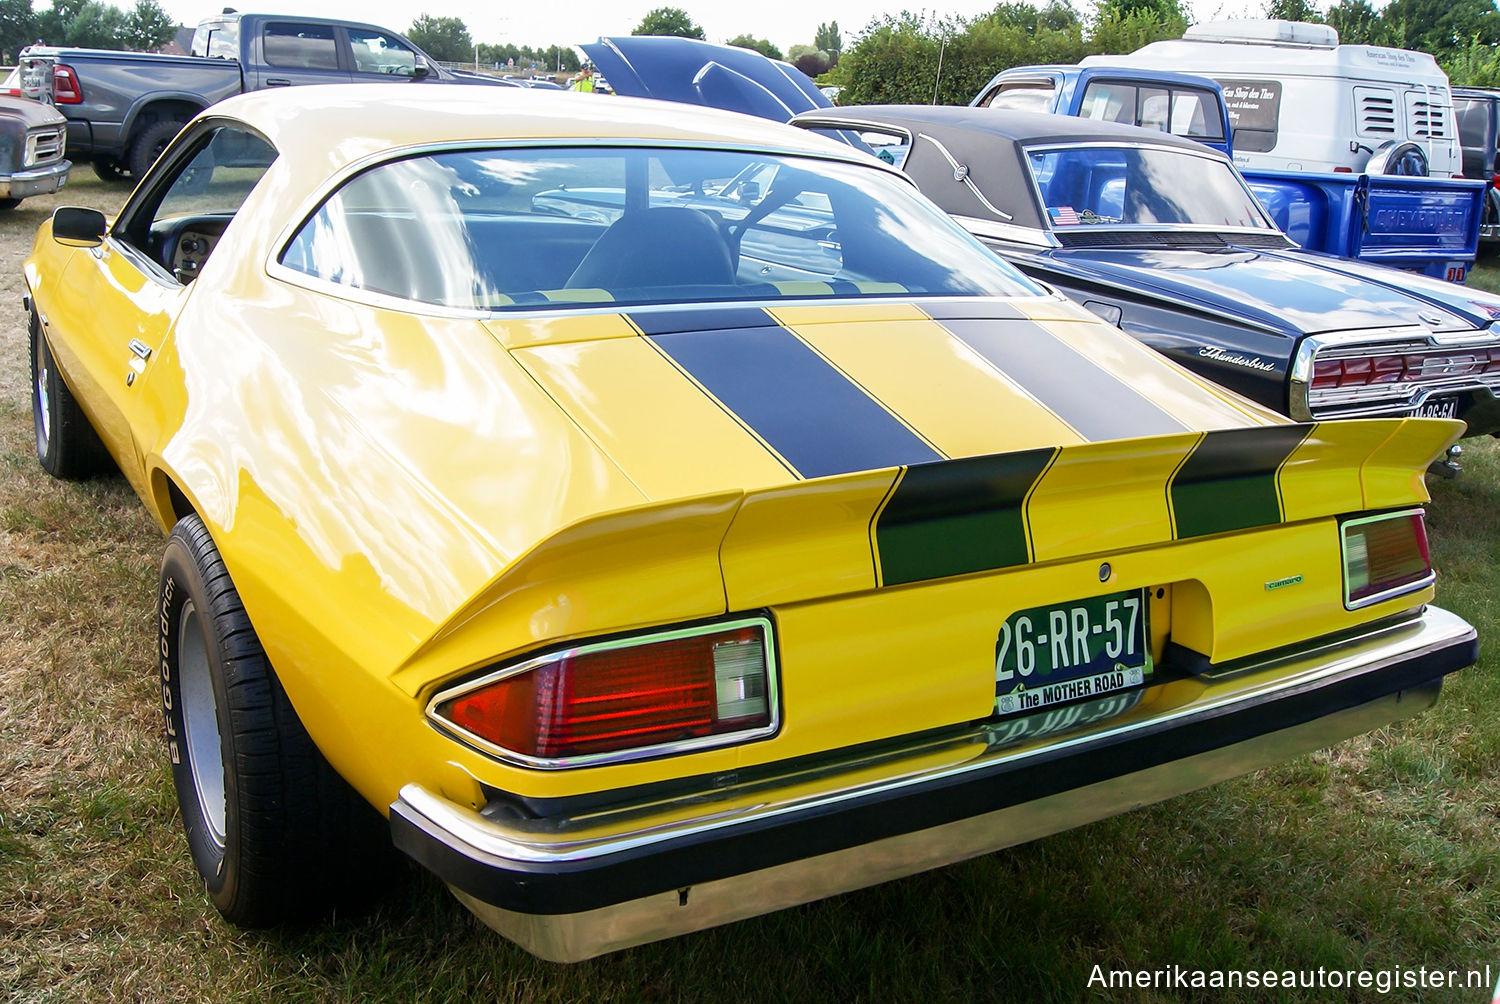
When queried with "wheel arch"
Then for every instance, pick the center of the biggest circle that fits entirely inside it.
(169, 501)
(158, 108)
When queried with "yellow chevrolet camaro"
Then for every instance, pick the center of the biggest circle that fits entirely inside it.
(661, 517)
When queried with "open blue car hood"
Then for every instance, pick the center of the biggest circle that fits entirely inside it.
(701, 73)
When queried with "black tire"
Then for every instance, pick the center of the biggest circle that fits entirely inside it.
(149, 144)
(275, 833)
(66, 444)
(109, 169)
(9, 203)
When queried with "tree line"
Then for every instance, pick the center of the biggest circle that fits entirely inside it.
(923, 58)
(85, 23)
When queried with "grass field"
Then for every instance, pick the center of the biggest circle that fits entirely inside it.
(1379, 853)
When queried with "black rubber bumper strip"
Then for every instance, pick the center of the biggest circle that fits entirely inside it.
(574, 886)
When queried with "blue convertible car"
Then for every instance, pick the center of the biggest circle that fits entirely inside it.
(1157, 234)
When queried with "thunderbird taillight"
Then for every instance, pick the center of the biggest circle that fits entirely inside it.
(1384, 557)
(1365, 371)
(647, 695)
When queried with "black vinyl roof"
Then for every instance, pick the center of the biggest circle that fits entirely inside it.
(988, 145)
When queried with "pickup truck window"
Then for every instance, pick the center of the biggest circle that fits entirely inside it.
(1182, 111)
(217, 40)
(1022, 96)
(300, 46)
(376, 52)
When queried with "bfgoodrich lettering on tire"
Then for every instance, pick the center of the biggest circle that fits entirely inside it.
(275, 833)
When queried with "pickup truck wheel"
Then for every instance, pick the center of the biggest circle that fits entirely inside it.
(9, 203)
(109, 170)
(66, 444)
(149, 144)
(274, 832)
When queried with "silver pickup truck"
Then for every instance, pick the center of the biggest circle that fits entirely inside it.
(123, 108)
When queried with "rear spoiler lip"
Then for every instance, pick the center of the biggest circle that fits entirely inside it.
(698, 558)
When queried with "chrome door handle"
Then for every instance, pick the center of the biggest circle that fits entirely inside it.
(140, 349)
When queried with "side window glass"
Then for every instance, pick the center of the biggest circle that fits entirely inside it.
(180, 220)
(1109, 103)
(300, 46)
(375, 52)
(1254, 113)
(1195, 114)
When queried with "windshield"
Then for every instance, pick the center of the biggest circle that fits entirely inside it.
(496, 229)
(1141, 186)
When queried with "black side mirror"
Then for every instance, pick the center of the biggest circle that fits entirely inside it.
(77, 227)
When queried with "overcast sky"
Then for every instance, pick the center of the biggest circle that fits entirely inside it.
(784, 22)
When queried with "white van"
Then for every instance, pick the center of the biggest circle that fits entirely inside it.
(1300, 101)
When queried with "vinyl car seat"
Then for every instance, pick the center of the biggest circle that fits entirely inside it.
(664, 246)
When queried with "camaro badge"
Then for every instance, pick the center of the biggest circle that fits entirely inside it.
(1290, 580)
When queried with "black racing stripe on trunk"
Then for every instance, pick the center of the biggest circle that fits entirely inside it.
(805, 409)
(1095, 402)
(1229, 480)
(959, 516)
(662, 322)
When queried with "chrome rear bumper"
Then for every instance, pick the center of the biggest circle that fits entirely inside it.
(569, 886)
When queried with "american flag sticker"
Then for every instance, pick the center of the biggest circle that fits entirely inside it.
(1063, 216)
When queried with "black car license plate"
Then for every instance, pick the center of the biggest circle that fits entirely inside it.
(1071, 651)
(1436, 407)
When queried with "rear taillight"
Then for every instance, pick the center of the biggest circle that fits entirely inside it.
(647, 695)
(1333, 374)
(65, 89)
(1384, 557)
(1343, 170)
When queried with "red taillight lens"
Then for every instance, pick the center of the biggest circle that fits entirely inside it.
(682, 687)
(1387, 369)
(1385, 556)
(65, 89)
(1333, 374)
(1343, 170)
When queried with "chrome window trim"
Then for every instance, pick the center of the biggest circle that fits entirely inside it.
(1388, 594)
(961, 174)
(773, 699)
(1014, 233)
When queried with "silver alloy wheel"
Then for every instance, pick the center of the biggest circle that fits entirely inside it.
(42, 408)
(200, 720)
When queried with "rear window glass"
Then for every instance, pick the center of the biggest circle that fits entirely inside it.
(1141, 186)
(496, 229)
(1181, 111)
(1033, 96)
(218, 40)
